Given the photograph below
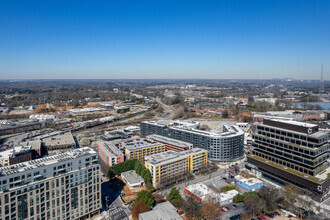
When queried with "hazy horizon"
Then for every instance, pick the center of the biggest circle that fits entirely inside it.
(164, 39)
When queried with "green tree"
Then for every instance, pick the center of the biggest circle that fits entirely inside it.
(174, 197)
(146, 197)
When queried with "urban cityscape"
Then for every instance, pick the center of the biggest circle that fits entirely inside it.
(143, 110)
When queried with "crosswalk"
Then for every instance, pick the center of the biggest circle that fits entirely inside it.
(113, 212)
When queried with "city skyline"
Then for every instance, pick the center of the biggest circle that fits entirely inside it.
(164, 40)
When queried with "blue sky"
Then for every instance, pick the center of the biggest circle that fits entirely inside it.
(164, 39)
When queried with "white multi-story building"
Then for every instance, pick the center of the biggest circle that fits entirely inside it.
(65, 186)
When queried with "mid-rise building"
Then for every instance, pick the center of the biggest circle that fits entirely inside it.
(16, 155)
(223, 146)
(292, 152)
(61, 187)
(108, 154)
(171, 166)
(170, 144)
(139, 149)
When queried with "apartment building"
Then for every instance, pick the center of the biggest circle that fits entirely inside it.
(140, 148)
(224, 146)
(108, 154)
(170, 166)
(170, 144)
(292, 152)
(65, 186)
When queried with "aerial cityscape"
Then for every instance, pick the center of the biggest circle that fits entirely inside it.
(165, 110)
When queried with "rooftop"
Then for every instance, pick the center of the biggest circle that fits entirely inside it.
(135, 144)
(170, 155)
(248, 181)
(132, 177)
(61, 139)
(14, 151)
(167, 140)
(162, 211)
(298, 123)
(33, 164)
(110, 148)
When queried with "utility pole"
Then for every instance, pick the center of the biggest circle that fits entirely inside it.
(106, 202)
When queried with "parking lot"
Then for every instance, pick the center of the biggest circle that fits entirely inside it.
(233, 211)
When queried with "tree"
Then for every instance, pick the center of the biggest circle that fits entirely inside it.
(270, 196)
(139, 208)
(210, 209)
(252, 201)
(174, 197)
(225, 114)
(191, 207)
(158, 198)
(146, 197)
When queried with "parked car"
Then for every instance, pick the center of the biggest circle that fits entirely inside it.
(263, 217)
(222, 210)
(277, 213)
(227, 208)
(235, 205)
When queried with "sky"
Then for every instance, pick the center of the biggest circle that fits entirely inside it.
(122, 39)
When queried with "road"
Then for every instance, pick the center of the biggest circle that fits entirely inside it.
(168, 113)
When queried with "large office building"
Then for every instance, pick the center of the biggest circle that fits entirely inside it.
(61, 187)
(140, 148)
(293, 153)
(223, 146)
(170, 166)
(109, 154)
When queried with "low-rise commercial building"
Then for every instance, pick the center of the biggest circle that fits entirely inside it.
(170, 144)
(201, 193)
(132, 179)
(163, 211)
(249, 184)
(140, 148)
(59, 142)
(66, 186)
(109, 154)
(171, 166)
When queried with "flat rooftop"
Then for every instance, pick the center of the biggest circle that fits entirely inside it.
(167, 156)
(136, 144)
(33, 164)
(14, 151)
(298, 123)
(248, 181)
(61, 139)
(110, 148)
(168, 140)
(132, 177)
(176, 123)
(163, 211)
(228, 131)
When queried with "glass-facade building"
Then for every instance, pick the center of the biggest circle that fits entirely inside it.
(292, 152)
